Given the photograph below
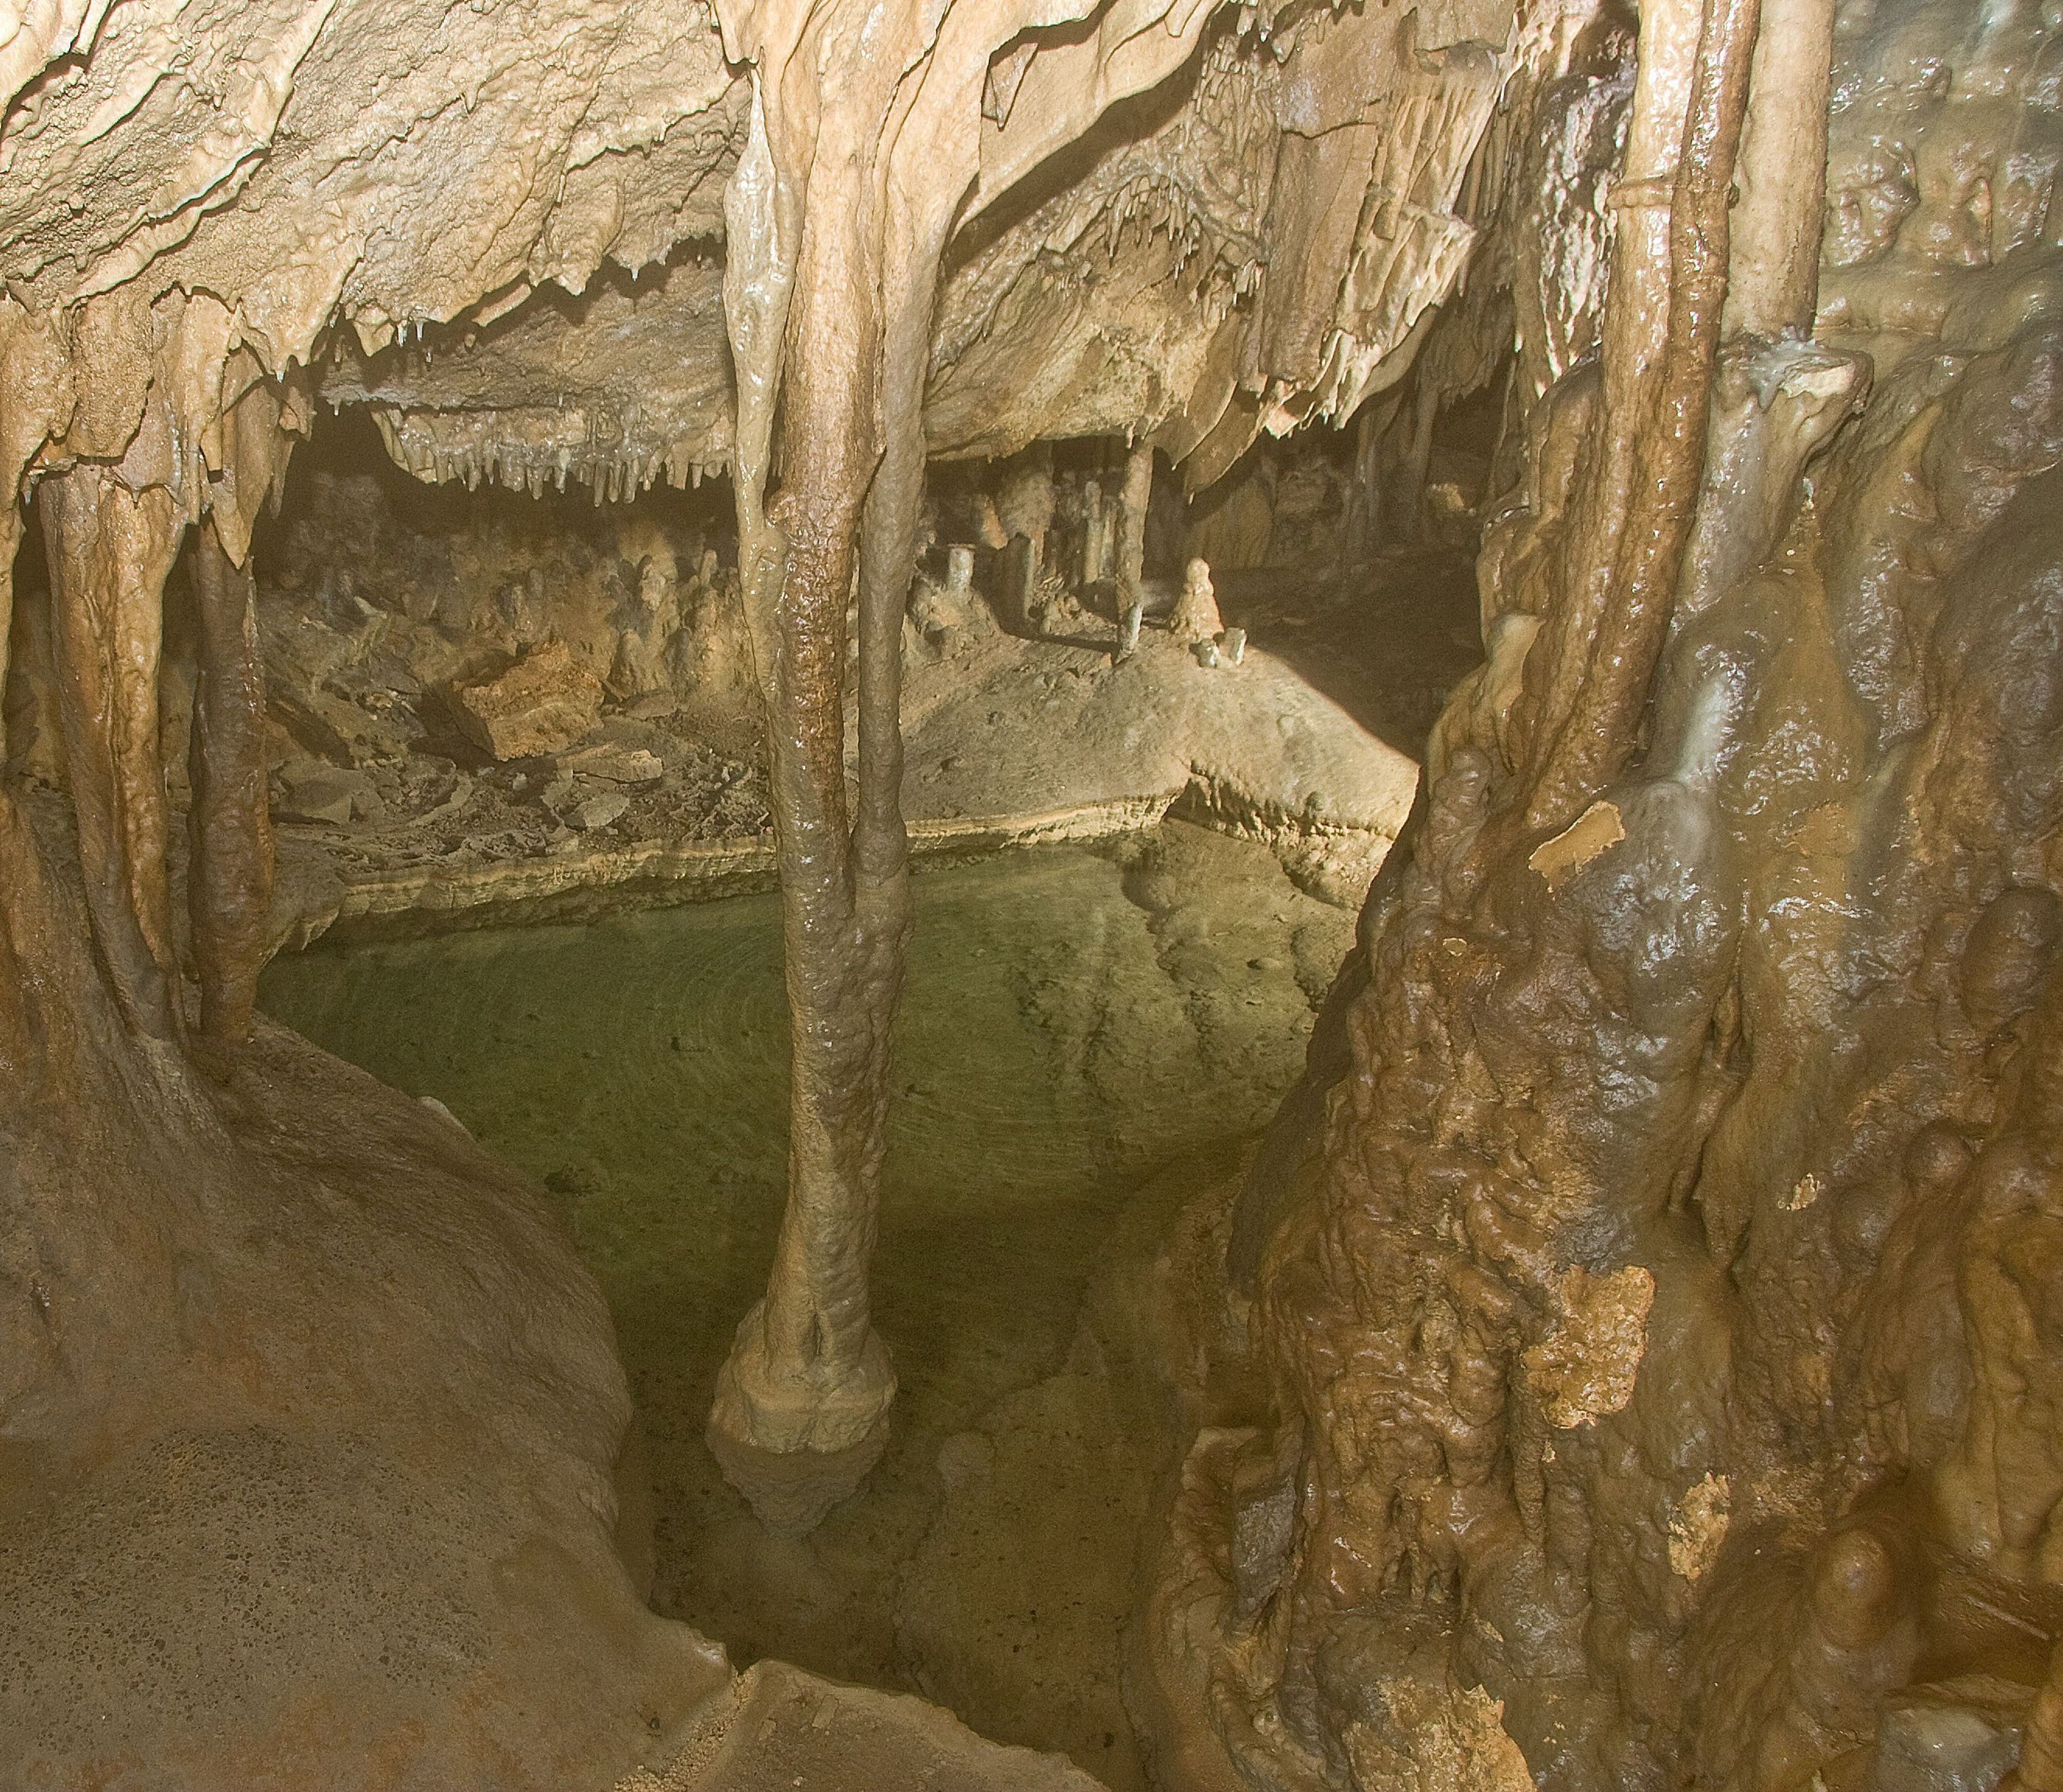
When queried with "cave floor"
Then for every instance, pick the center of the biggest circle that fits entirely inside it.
(1089, 1036)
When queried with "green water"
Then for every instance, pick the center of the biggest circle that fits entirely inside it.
(1060, 1044)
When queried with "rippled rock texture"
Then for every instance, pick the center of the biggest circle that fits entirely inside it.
(1662, 1302)
(1665, 1321)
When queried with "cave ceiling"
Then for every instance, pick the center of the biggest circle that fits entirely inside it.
(502, 227)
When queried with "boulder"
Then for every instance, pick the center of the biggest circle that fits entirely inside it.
(541, 704)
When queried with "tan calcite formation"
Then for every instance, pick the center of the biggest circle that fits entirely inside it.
(204, 211)
(1735, 873)
(1268, 249)
(1724, 975)
(312, 1413)
(229, 859)
(1195, 617)
(175, 256)
(202, 214)
(890, 238)
(1169, 328)
(202, 207)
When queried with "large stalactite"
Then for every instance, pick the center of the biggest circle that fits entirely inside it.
(840, 211)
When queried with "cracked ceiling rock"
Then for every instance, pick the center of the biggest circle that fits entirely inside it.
(431, 157)
(458, 180)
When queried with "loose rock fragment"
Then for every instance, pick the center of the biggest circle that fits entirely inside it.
(328, 794)
(616, 764)
(541, 704)
(599, 810)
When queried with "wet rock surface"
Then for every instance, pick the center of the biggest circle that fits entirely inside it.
(1615, 1377)
(1110, 1026)
(1649, 1288)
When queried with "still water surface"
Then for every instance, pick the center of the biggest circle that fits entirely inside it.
(1059, 1047)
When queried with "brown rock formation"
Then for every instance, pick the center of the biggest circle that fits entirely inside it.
(1692, 984)
(540, 706)
(1658, 1273)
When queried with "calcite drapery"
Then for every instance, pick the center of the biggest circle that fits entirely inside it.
(1753, 1003)
(838, 221)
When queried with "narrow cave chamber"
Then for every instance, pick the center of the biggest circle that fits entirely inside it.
(1161, 895)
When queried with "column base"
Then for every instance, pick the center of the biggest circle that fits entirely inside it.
(795, 1441)
(792, 1492)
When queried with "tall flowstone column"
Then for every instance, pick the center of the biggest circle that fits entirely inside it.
(865, 145)
(110, 548)
(229, 876)
(801, 1405)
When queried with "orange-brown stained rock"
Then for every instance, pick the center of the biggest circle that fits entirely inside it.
(1645, 1065)
(540, 705)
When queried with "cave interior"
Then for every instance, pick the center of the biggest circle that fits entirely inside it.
(1146, 894)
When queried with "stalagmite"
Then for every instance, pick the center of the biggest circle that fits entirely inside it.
(1195, 618)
